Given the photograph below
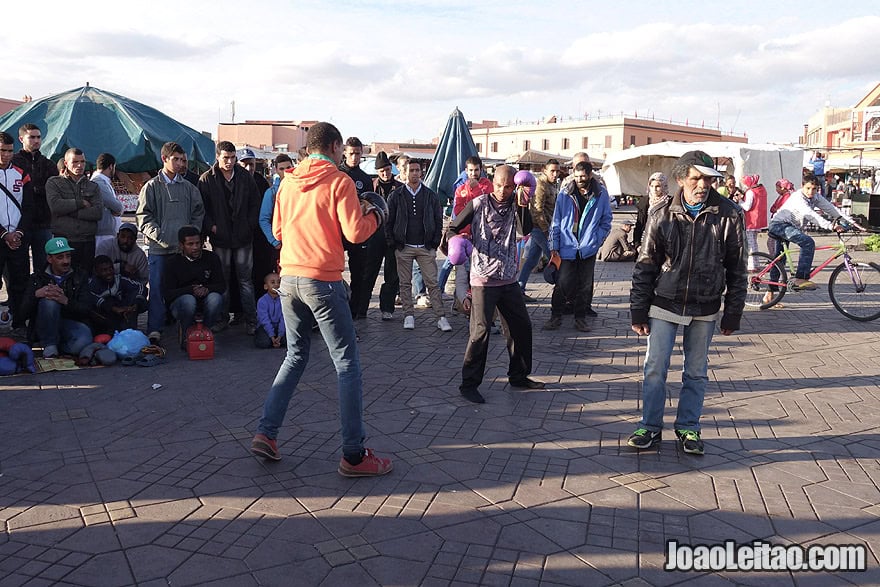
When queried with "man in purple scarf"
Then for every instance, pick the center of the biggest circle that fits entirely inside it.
(495, 220)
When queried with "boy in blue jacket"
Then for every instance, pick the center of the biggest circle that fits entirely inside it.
(581, 222)
(270, 332)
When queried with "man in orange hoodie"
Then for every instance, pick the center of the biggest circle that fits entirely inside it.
(317, 205)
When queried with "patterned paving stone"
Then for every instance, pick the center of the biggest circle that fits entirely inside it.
(134, 486)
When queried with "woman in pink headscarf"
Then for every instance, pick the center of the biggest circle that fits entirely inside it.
(754, 204)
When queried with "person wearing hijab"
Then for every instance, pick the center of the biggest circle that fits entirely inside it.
(754, 205)
(658, 191)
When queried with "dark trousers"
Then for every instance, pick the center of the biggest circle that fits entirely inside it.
(263, 340)
(364, 262)
(391, 281)
(265, 261)
(517, 326)
(16, 264)
(83, 255)
(574, 282)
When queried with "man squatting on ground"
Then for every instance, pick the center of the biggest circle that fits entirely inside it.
(317, 205)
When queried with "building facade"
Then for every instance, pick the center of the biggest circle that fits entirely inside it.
(845, 133)
(278, 136)
(596, 136)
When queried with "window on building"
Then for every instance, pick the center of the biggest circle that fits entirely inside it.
(479, 147)
(566, 145)
(494, 147)
(545, 145)
(607, 141)
(632, 139)
(650, 140)
(585, 143)
(527, 145)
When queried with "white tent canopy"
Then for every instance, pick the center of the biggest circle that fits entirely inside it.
(627, 172)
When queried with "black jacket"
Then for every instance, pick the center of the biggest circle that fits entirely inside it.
(80, 301)
(235, 217)
(362, 180)
(685, 264)
(181, 274)
(40, 169)
(395, 224)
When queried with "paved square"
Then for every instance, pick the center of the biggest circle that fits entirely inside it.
(107, 481)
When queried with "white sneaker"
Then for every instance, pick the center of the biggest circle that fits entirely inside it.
(387, 316)
(423, 302)
(155, 337)
(409, 323)
(443, 324)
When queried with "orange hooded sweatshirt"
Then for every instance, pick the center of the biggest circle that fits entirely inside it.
(316, 206)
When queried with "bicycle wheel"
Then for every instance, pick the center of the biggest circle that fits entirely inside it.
(856, 294)
(762, 292)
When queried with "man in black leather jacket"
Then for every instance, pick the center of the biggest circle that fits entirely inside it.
(692, 254)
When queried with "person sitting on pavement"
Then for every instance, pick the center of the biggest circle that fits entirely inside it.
(193, 282)
(58, 302)
(270, 332)
(118, 299)
(494, 220)
(788, 225)
(128, 259)
(617, 246)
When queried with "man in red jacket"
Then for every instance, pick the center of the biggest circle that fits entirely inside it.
(317, 205)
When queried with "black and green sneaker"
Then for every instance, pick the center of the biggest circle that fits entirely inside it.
(690, 441)
(643, 438)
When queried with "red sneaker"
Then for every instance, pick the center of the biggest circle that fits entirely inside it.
(371, 466)
(263, 446)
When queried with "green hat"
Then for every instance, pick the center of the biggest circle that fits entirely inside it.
(57, 245)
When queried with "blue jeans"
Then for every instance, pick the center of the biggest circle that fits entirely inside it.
(696, 339)
(305, 301)
(443, 275)
(185, 307)
(156, 304)
(70, 336)
(244, 265)
(536, 247)
(418, 282)
(806, 243)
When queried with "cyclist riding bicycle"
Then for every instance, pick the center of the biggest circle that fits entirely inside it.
(788, 223)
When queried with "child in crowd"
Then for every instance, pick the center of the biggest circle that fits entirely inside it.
(270, 332)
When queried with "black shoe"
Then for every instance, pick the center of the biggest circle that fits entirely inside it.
(690, 441)
(591, 313)
(473, 395)
(581, 324)
(526, 383)
(529, 298)
(643, 438)
(553, 323)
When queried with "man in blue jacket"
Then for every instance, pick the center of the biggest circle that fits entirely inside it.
(581, 221)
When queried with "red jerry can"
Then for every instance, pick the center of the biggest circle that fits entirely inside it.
(199, 342)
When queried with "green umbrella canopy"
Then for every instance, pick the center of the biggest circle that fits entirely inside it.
(98, 122)
(455, 146)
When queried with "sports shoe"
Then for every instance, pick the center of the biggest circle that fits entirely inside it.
(386, 316)
(643, 438)
(370, 466)
(50, 352)
(423, 302)
(473, 395)
(155, 337)
(553, 323)
(409, 323)
(803, 284)
(443, 324)
(690, 441)
(581, 324)
(265, 447)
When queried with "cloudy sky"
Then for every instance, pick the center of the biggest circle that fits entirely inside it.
(393, 70)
